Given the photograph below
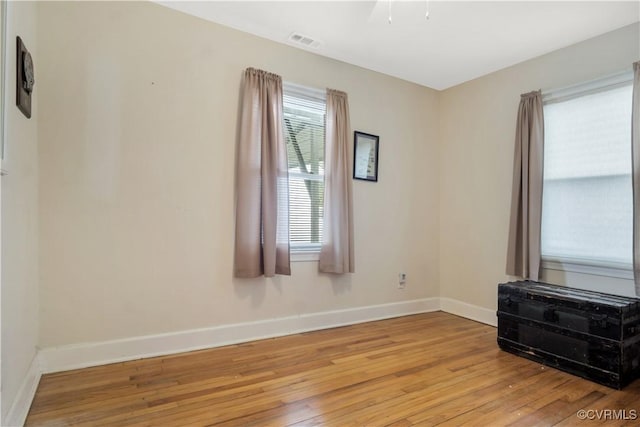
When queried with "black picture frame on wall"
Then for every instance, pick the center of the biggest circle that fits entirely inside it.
(365, 156)
(24, 78)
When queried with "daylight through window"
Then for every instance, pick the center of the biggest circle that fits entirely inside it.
(304, 124)
(587, 196)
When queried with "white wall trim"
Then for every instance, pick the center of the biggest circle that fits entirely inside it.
(469, 311)
(594, 268)
(63, 358)
(20, 407)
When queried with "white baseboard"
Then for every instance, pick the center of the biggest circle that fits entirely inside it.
(18, 412)
(469, 311)
(77, 356)
(63, 358)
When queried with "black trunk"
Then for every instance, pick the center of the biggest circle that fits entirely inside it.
(590, 334)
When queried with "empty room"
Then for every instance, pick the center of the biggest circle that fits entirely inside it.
(320, 213)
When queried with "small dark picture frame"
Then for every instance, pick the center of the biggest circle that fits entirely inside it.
(365, 156)
(24, 78)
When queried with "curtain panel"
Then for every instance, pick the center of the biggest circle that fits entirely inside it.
(262, 194)
(635, 159)
(337, 252)
(523, 253)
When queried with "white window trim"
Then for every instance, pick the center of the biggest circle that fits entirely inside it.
(589, 266)
(579, 265)
(305, 252)
(307, 92)
(309, 176)
(582, 89)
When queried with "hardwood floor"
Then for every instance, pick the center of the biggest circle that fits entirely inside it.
(427, 369)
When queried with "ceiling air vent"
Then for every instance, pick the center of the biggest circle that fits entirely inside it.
(302, 40)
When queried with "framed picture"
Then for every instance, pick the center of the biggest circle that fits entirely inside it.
(365, 156)
(25, 79)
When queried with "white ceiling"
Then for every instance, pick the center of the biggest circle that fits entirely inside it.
(461, 40)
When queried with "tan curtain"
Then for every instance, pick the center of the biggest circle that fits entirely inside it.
(336, 255)
(635, 158)
(262, 196)
(523, 253)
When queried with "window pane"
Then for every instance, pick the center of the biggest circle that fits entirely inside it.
(304, 119)
(588, 218)
(589, 136)
(305, 210)
(587, 207)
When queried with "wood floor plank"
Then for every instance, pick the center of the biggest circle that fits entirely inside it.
(421, 370)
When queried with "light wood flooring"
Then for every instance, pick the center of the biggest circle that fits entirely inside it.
(428, 369)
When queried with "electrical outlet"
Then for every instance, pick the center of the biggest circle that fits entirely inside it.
(402, 280)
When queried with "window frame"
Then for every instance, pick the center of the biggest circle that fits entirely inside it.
(593, 267)
(303, 252)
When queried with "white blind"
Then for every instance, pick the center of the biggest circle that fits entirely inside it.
(587, 196)
(304, 116)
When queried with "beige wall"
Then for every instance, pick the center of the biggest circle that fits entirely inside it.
(19, 217)
(476, 155)
(137, 133)
(137, 126)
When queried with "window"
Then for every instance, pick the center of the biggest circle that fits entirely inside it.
(587, 193)
(304, 125)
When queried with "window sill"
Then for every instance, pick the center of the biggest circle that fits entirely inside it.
(305, 256)
(591, 267)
